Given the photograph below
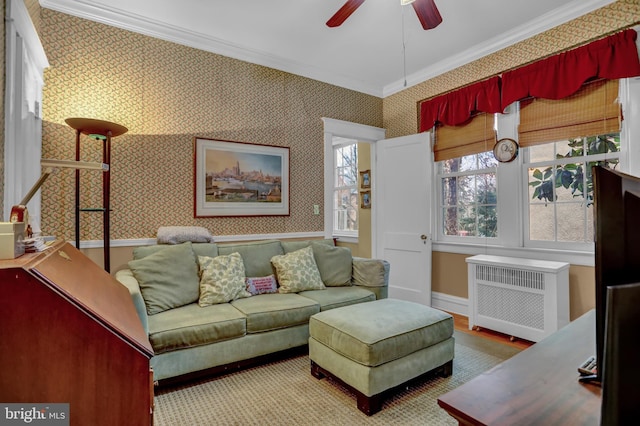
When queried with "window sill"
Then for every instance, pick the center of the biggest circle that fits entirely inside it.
(574, 257)
(346, 239)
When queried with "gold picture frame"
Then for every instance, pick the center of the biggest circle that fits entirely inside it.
(365, 179)
(365, 199)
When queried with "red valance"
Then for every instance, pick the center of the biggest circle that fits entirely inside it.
(556, 77)
(563, 74)
(457, 107)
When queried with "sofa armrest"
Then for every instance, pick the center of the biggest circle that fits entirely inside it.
(126, 278)
(372, 274)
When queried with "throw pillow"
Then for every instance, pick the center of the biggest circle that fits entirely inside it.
(261, 285)
(181, 234)
(297, 271)
(334, 264)
(221, 279)
(292, 245)
(168, 278)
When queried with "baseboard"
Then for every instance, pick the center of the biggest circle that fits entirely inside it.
(446, 302)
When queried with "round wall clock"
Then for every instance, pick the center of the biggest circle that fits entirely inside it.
(505, 150)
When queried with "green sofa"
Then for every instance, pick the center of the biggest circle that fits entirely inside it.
(195, 323)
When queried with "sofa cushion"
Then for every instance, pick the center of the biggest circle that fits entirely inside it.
(293, 245)
(334, 264)
(200, 249)
(192, 325)
(261, 285)
(167, 278)
(335, 297)
(274, 311)
(221, 279)
(256, 255)
(297, 271)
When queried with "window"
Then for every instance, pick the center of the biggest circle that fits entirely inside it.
(560, 188)
(345, 189)
(468, 196)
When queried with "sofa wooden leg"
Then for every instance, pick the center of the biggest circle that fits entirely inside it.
(316, 371)
(447, 369)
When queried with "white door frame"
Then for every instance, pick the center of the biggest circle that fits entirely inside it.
(363, 134)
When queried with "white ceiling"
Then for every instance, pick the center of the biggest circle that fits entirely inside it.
(365, 53)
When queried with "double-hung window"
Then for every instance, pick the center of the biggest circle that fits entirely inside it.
(345, 189)
(468, 196)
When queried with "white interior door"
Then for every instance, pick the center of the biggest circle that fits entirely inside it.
(403, 209)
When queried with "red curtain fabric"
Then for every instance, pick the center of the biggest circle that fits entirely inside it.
(457, 107)
(556, 77)
(562, 75)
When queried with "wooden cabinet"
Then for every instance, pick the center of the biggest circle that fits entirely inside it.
(70, 334)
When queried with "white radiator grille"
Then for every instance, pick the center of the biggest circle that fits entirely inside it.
(520, 297)
(511, 305)
(515, 277)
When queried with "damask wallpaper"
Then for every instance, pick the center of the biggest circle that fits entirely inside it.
(167, 94)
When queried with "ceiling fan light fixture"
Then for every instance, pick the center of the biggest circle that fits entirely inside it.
(406, 2)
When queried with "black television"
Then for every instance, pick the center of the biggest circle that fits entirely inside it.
(620, 375)
(616, 198)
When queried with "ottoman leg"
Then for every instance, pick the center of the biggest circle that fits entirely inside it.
(369, 404)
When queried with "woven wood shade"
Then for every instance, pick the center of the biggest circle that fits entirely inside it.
(592, 110)
(476, 136)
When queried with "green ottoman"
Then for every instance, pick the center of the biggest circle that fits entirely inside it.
(374, 347)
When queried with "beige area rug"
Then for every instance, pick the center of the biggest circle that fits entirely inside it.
(285, 393)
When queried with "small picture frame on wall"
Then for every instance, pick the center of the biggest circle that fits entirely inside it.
(365, 200)
(365, 179)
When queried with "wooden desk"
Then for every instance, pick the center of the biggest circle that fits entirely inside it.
(70, 334)
(537, 386)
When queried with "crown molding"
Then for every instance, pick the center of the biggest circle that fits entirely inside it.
(557, 17)
(139, 24)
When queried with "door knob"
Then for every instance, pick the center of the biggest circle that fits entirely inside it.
(423, 237)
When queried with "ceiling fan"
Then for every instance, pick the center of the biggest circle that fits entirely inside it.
(426, 10)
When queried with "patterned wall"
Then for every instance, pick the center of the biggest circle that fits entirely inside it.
(400, 109)
(167, 94)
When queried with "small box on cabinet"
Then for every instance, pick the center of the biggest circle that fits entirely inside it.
(11, 239)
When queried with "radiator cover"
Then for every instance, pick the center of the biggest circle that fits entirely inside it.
(520, 297)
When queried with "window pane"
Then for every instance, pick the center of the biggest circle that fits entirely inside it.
(541, 222)
(603, 144)
(346, 208)
(544, 152)
(469, 199)
(570, 222)
(449, 191)
(487, 221)
(345, 200)
(561, 195)
(466, 190)
(450, 216)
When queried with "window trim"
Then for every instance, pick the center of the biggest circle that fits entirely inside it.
(339, 142)
(362, 134)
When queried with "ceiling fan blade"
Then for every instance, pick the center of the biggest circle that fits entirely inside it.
(344, 12)
(428, 13)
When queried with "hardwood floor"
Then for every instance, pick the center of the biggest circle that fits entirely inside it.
(461, 325)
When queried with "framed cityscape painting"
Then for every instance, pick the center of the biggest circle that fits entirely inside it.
(240, 179)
